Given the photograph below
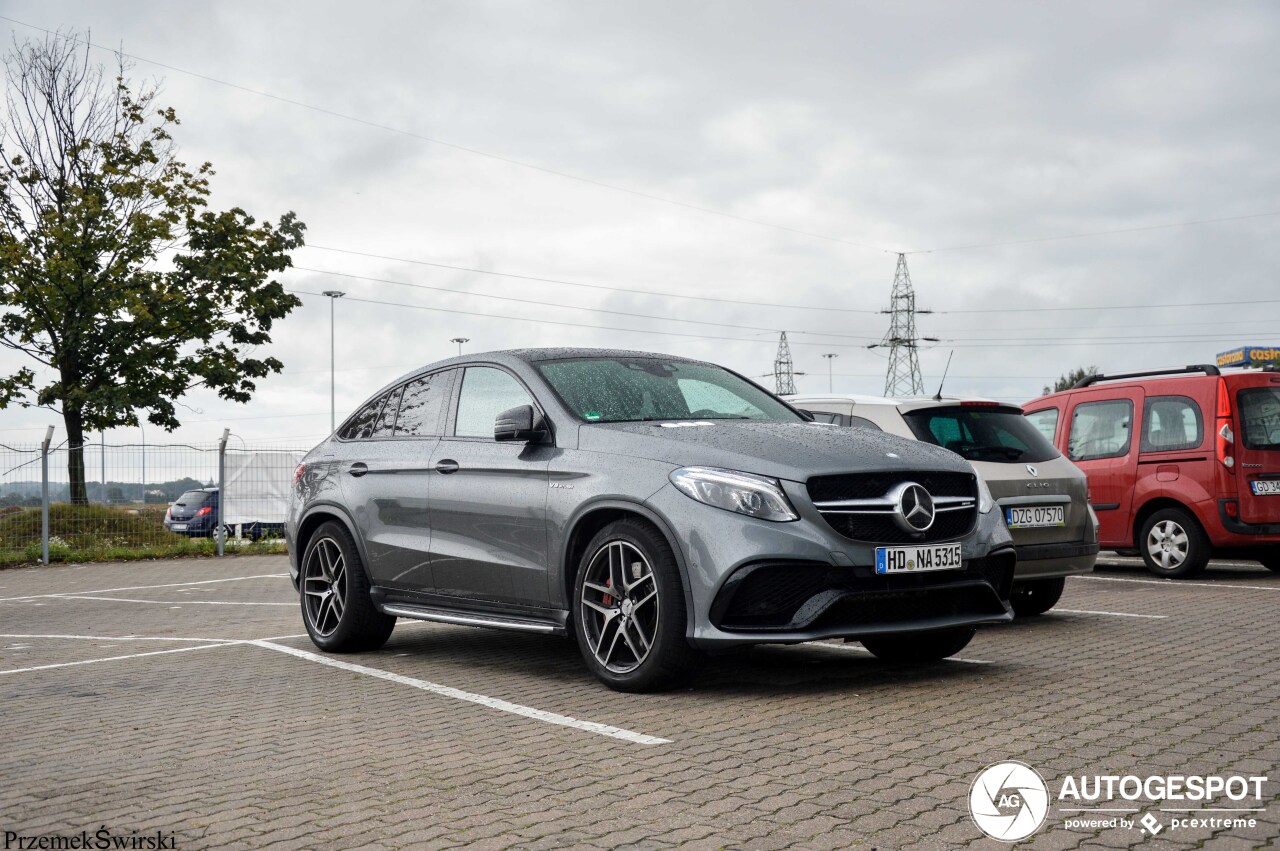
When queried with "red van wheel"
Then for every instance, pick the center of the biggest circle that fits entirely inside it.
(1173, 545)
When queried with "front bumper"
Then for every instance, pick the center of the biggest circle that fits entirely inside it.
(830, 586)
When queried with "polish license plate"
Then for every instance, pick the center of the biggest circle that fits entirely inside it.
(916, 559)
(1035, 516)
(1268, 487)
(178, 527)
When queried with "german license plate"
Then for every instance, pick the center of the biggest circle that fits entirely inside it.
(915, 559)
(178, 527)
(1035, 516)
(1269, 487)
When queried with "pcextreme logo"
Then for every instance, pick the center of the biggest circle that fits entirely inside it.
(1010, 801)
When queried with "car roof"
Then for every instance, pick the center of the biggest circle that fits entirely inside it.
(911, 403)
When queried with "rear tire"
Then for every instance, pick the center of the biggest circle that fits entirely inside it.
(1036, 596)
(1270, 560)
(632, 639)
(336, 607)
(1173, 545)
(919, 647)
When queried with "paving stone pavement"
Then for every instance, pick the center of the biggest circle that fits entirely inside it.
(131, 699)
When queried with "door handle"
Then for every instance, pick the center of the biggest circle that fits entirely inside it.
(446, 465)
(358, 469)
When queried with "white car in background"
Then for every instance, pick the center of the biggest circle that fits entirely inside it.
(1042, 496)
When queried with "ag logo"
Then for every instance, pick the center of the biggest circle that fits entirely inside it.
(1009, 801)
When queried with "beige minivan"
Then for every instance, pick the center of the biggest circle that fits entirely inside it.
(1042, 496)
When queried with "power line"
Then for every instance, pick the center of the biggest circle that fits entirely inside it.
(527, 320)
(1097, 233)
(628, 290)
(462, 148)
(667, 318)
(775, 305)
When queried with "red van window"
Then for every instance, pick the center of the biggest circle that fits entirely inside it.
(1171, 422)
(1260, 417)
(1100, 430)
(1046, 422)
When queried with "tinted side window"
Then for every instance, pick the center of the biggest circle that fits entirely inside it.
(825, 417)
(387, 420)
(862, 422)
(1171, 422)
(1046, 422)
(1100, 430)
(422, 407)
(486, 392)
(361, 424)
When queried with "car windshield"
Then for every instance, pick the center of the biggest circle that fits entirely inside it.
(191, 498)
(1260, 417)
(613, 390)
(981, 433)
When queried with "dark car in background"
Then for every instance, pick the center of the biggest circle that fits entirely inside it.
(195, 513)
(652, 507)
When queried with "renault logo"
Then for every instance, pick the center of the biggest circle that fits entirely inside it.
(1032, 470)
(912, 507)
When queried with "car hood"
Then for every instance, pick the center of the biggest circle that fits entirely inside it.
(792, 451)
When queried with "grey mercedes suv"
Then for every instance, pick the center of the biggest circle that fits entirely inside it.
(652, 507)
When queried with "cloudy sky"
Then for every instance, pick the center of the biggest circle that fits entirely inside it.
(775, 156)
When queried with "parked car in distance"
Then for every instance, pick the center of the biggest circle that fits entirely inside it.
(1042, 496)
(1183, 464)
(195, 513)
(650, 506)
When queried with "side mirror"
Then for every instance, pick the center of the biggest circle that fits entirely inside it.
(520, 423)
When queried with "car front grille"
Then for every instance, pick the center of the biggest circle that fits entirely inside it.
(857, 505)
(787, 595)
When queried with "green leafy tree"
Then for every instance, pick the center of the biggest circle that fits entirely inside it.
(1066, 382)
(115, 277)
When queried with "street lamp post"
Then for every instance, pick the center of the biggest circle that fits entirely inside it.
(830, 360)
(333, 295)
(460, 341)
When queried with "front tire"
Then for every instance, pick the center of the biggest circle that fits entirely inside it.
(1036, 596)
(629, 609)
(336, 607)
(1173, 545)
(915, 648)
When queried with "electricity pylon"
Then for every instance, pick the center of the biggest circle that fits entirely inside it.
(784, 374)
(903, 375)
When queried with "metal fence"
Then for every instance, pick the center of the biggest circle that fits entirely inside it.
(143, 500)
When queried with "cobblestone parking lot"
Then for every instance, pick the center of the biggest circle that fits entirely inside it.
(181, 697)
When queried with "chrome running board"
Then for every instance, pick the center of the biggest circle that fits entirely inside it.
(423, 613)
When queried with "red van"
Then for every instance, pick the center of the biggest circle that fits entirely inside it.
(1200, 479)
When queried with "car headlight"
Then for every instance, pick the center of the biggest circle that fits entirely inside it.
(743, 493)
(985, 500)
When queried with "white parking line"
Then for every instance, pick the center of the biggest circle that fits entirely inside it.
(482, 700)
(1112, 614)
(114, 637)
(171, 602)
(117, 658)
(1179, 583)
(142, 587)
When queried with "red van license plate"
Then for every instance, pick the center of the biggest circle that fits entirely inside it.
(1270, 487)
